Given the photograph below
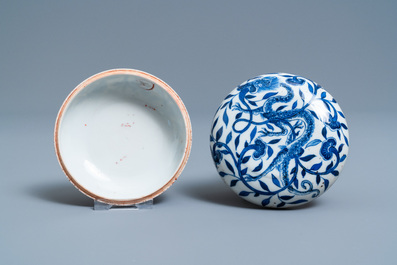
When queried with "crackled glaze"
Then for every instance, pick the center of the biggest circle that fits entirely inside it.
(279, 140)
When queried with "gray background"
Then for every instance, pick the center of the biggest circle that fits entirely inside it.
(203, 50)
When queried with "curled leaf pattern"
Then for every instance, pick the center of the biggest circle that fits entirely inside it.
(279, 140)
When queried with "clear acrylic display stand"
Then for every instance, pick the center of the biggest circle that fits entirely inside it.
(100, 206)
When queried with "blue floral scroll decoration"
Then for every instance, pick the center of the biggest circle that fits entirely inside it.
(279, 140)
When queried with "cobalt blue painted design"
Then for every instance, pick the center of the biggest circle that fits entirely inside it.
(279, 140)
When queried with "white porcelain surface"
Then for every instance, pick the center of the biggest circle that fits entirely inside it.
(123, 136)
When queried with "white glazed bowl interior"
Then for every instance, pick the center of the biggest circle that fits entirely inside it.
(123, 136)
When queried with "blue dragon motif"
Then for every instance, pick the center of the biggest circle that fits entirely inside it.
(289, 114)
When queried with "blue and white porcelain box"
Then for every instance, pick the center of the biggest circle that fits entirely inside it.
(279, 140)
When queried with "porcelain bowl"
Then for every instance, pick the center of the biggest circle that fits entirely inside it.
(123, 136)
